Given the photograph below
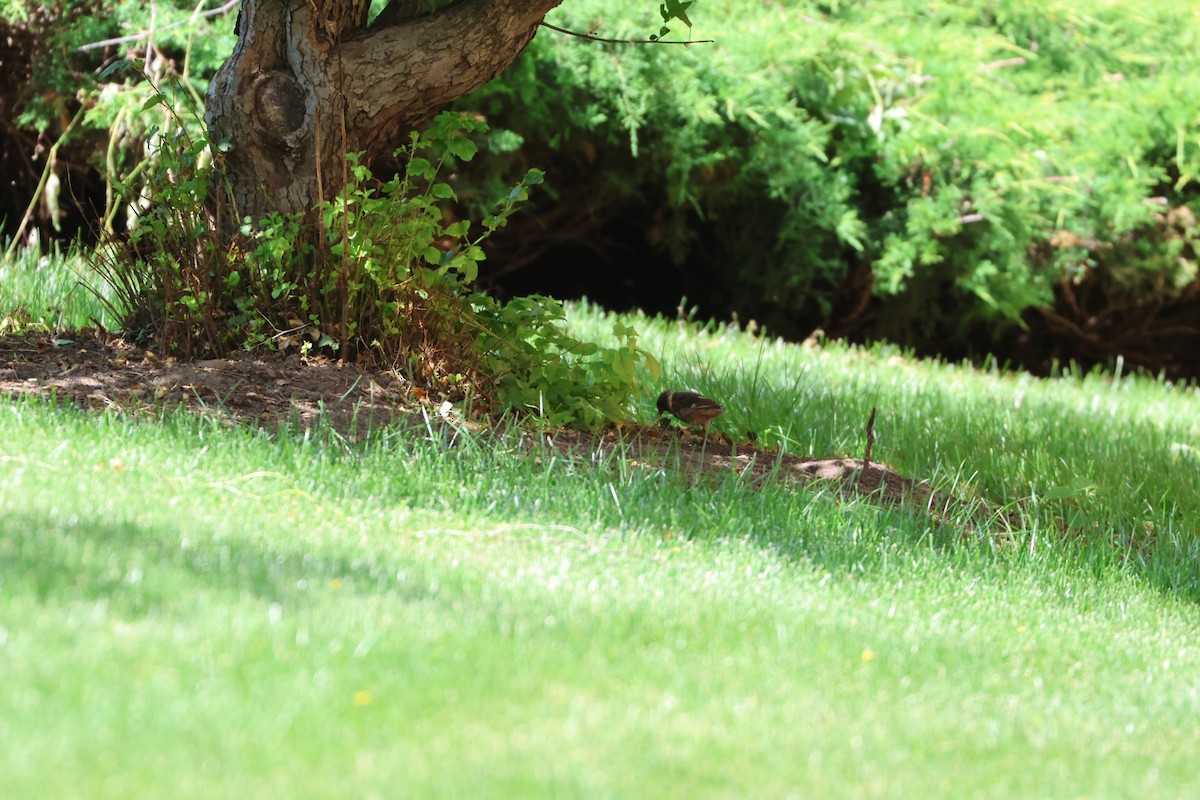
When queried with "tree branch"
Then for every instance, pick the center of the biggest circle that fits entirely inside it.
(406, 72)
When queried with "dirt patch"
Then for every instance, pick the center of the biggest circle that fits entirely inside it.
(846, 477)
(266, 390)
(270, 390)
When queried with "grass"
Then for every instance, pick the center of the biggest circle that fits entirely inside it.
(49, 291)
(192, 610)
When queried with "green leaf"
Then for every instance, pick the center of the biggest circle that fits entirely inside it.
(652, 365)
(674, 9)
(418, 167)
(462, 148)
(117, 66)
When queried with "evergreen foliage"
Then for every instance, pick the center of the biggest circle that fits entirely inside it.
(930, 174)
(938, 167)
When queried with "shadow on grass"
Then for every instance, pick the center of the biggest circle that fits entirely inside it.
(138, 570)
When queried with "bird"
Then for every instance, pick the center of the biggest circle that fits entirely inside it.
(690, 407)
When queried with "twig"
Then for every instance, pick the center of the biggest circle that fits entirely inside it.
(591, 37)
(1003, 63)
(150, 39)
(870, 439)
(135, 37)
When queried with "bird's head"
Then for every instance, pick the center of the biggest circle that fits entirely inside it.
(664, 403)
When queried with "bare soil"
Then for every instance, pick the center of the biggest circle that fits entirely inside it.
(269, 390)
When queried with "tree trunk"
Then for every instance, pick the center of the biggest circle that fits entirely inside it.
(309, 81)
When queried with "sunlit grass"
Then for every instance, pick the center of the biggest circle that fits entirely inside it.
(50, 291)
(193, 610)
(1116, 459)
(327, 622)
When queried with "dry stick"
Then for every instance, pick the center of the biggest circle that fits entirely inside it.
(112, 205)
(870, 439)
(150, 38)
(187, 54)
(320, 183)
(1003, 63)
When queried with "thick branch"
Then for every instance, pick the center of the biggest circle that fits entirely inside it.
(395, 77)
(308, 82)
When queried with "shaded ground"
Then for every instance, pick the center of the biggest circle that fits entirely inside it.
(264, 390)
(268, 390)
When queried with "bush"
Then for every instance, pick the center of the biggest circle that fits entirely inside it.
(932, 174)
(893, 168)
(378, 274)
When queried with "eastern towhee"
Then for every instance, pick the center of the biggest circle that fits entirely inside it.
(691, 407)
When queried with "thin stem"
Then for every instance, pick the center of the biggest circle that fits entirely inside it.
(51, 160)
(591, 37)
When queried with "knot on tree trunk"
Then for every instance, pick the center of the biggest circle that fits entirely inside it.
(308, 82)
(279, 102)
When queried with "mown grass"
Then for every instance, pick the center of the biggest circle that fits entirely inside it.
(1114, 458)
(193, 610)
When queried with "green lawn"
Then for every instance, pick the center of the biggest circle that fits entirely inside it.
(50, 290)
(189, 610)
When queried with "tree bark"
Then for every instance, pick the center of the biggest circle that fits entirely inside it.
(309, 81)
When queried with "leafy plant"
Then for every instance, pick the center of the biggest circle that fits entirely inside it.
(170, 273)
(382, 272)
(381, 268)
(535, 366)
(64, 89)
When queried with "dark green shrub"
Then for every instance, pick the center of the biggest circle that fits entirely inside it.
(891, 168)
